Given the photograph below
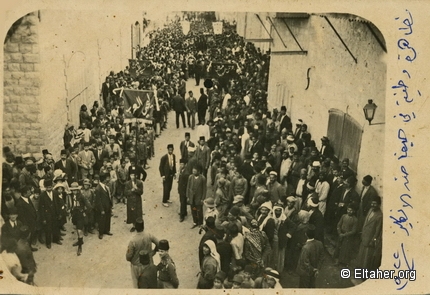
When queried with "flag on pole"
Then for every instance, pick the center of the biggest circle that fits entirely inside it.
(138, 103)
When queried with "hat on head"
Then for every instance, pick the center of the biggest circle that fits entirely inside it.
(271, 273)
(313, 202)
(187, 134)
(283, 108)
(316, 164)
(63, 152)
(13, 211)
(26, 156)
(284, 130)
(299, 122)
(324, 138)
(310, 186)
(144, 257)
(18, 160)
(291, 199)
(191, 148)
(170, 146)
(238, 199)
(209, 202)
(290, 138)
(235, 211)
(202, 138)
(75, 186)
(164, 245)
(368, 178)
(238, 279)
(57, 185)
(183, 161)
(29, 162)
(45, 151)
(273, 173)
(228, 130)
(47, 182)
(86, 181)
(267, 205)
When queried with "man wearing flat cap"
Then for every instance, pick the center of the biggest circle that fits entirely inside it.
(167, 172)
(184, 146)
(203, 155)
(67, 166)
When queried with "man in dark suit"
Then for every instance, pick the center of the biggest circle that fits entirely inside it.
(148, 276)
(178, 105)
(27, 213)
(202, 106)
(182, 189)
(316, 219)
(310, 260)
(167, 172)
(368, 193)
(348, 196)
(203, 155)
(346, 171)
(184, 146)
(327, 150)
(285, 121)
(257, 145)
(10, 230)
(103, 205)
(67, 166)
(105, 92)
(50, 214)
(196, 193)
(100, 154)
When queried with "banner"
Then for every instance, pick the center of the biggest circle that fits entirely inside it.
(139, 68)
(185, 27)
(221, 69)
(138, 103)
(217, 26)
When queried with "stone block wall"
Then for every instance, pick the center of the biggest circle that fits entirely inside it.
(22, 128)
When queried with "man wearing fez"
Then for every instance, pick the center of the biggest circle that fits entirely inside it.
(167, 277)
(327, 150)
(368, 193)
(191, 106)
(202, 105)
(50, 214)
(67, 166)
(203, 155)
(182, 189)
(141, 241)
(148, 274)
(285, 121)
(184, 146)
(168, 173)
(196, 193)
(103, 205)
(133, 192)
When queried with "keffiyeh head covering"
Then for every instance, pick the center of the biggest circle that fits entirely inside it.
(214, 253)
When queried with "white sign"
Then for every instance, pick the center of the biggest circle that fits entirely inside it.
(217, 26)
(185, 27)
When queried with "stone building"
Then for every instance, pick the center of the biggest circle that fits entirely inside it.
(53, 65)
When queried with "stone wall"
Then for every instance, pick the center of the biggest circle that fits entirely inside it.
(22, 130)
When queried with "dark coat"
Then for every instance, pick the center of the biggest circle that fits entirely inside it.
(134, 201)
(286, 123)
(27, 213)
(202, 104)
(50, 211)
(310, 258)
(165, 166)
(148, 278)
(196, 189)
(103, 201)
(184, 150)
(183, 182)
(99, 160)
(178, 104)
(317, 219)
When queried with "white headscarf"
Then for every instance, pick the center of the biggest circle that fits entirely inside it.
(214, 253)
(268, 205)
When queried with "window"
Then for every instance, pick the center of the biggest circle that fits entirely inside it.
(345, 134)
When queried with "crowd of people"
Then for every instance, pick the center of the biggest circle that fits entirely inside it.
(262, 191)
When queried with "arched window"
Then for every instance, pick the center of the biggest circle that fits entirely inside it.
(345, 134)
